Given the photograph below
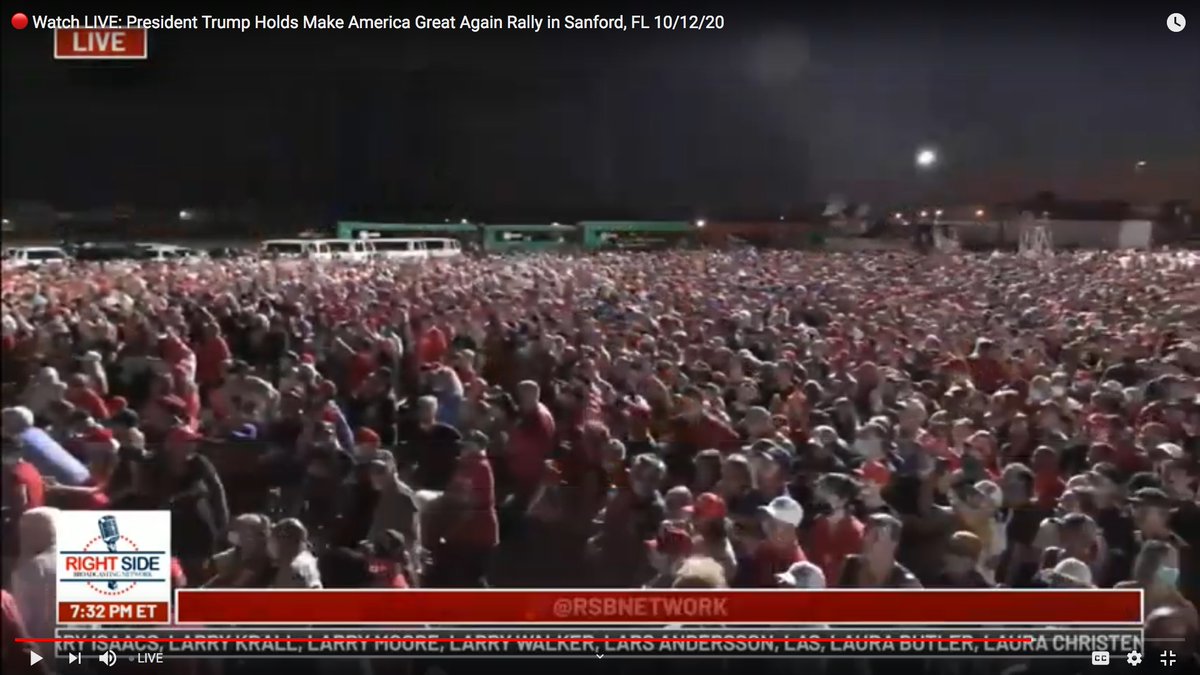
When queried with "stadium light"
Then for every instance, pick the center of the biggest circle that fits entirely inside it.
(780, 218)
(924, 214)
(7, 221)
(898, 214)
(926, 158)
(701, 223)
(938, 213)
(463, 221)
(978, 213)
(184, 214)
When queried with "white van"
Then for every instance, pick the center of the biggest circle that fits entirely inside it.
(347, 249)
(165, 252)
(442, 248)
(412, 248)
(314, 249)
(35, 256)
(397, 249)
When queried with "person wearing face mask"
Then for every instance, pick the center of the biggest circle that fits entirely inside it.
(1156, 572)
(1152, 516)
(245, 564)
(1040, 391)
(835, 533)
(295, 565)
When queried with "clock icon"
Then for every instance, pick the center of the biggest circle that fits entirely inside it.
(1176, 22)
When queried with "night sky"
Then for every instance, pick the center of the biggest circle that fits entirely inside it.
(781, 109)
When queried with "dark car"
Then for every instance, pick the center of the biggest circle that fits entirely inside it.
(226, 253)
(103, 252)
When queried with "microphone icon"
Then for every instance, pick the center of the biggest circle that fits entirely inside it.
(110, 535)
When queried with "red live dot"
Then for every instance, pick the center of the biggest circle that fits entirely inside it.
(19, 21)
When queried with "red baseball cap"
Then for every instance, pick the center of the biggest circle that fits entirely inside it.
(709, 506)
(672, 541)
(874, 472)
(366, 436)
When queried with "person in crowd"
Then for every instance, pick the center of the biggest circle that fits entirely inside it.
(15, 655)
(1156, 572)
(429, 448)
(36, 573)
(964, 558)
(836, 533)
(293, 559)
(780, 546)
(246, 563)
(700, 572)
(876, 565)
(714, 532)
(1152, 517)
(391, 563)
(39, 449)
(1170, 629)
(531, 440)
(668, 551)
(395, 508)
(464, 549)
(189, 486)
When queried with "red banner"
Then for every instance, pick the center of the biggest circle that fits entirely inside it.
(981, 607)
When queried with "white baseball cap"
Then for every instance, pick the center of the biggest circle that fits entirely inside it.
(785, 509)
(802, 575)
(1075, 571)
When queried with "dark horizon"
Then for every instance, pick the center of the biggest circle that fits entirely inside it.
(777, 111)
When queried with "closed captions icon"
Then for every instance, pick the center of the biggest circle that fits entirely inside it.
(1176, 22)
(1100, 658)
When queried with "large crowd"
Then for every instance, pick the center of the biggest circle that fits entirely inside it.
(684, 419)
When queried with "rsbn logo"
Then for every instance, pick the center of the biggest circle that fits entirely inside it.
(112, 563)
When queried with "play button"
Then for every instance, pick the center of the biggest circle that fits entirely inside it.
(34, 658)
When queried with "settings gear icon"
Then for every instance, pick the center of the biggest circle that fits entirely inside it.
(1133, 658)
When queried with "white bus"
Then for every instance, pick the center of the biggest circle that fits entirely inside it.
(347, 249)
(412, 248)
(314, 249)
